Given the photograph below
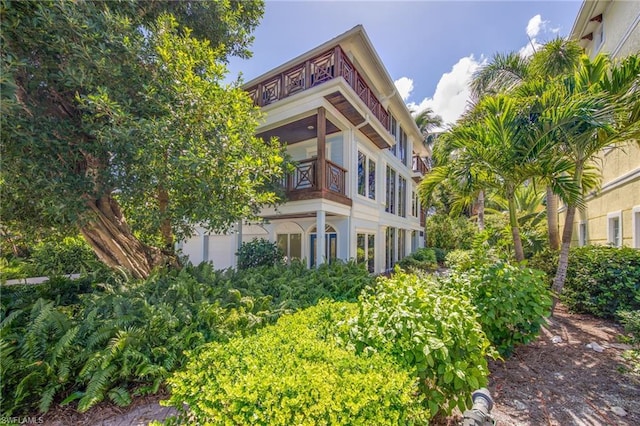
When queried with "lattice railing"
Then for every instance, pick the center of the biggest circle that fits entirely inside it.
(335, 178)
(304, 177)
(313, 72)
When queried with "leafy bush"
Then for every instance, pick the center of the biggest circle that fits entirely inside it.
(449, 233)
(440, 254)
(603, 280)
(429, 330)
(512, 301)
(294, 373)
(422, 259)
(259, 252)
(631, 322)
(71, 255)
(87, 341)
(461, 260)
(546, 261)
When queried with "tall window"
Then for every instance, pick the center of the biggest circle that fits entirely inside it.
(291, 245)
(390, 248)
(362, 174)
(415, 203)
(366, 176)
(366, 250)
(372, 179)
(331, 242)
(614, 229)
(402, 243)
(582, 234)
(402, 147)
(391, 191)
(394, 133)
(402, 197)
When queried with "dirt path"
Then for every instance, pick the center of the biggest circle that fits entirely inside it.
(566, 383)
(543, 383)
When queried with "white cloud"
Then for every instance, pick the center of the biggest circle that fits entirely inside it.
(452, 93)
(534, 25)
(404, 85)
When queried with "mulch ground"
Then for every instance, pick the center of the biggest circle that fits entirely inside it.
(543, 383)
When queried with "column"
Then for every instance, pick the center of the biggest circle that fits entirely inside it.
(321, 240)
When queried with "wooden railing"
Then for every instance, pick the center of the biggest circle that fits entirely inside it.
(419, 165)
(324, 67)
(305, 177)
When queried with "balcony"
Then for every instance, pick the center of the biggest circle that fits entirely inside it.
(323, 68)
(419, 167)
(303, 182)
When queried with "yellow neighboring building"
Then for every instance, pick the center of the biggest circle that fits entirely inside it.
(612, 214)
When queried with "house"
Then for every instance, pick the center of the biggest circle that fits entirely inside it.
(359, 157)
(612, 213)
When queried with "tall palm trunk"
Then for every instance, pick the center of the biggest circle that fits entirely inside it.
(515, 230)
(108, 233)
(567, 235)
(481, 210)
(552, 220)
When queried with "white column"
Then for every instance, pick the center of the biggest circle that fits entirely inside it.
(321, 240)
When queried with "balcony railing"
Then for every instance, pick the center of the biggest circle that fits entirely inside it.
(313, 72)
(305, 177)
(419, 165)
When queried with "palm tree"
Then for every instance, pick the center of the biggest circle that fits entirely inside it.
(488, 152)
(595, 107)
(508, 73)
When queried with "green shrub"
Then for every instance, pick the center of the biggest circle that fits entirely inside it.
(461, 260)
(440, 254)
(259, 252)
(603, 280)
(631, 322)
(294, 373)
(87, 341)
(512, 301)
(546, 261)
(449, 233)
(71, 255)
(422, 259)
(429, 330)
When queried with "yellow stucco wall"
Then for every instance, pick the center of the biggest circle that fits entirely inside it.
(620, 168)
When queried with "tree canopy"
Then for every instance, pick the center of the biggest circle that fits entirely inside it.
(114, 110)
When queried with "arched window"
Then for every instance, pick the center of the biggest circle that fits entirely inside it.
(331, 249)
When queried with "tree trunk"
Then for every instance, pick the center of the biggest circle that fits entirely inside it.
(563, 258)
(481, 210)
(107, 232)
(515, 230)
(567, 234)
(552, 220)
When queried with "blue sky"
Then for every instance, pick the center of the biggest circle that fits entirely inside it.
(430, 48)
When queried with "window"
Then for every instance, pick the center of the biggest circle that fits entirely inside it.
(291, 245)
(415, 204)
(390, 248)
(331, 242)
(366, 176)
(391, 191)
(366, 250)
(598, 39)
(372, 179)
(582, 234)
(415, 241)
(402, 243)
(394, 133)
(635, 227)
(402, 197)
(614, 229)
(362, 164)
(402, 147)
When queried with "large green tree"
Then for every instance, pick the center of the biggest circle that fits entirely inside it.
(118, 109)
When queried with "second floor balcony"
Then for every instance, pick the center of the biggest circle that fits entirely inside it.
(320, 69)
(308, 181)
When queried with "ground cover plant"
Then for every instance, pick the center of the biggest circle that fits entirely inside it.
(295, 372)
(90, 341)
